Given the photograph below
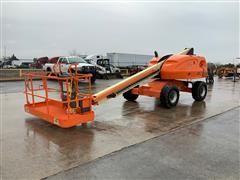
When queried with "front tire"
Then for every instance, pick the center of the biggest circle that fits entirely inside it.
(199, 90)
(130, 96)
(169, 96)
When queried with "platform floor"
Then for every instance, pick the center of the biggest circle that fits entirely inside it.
(34, 149)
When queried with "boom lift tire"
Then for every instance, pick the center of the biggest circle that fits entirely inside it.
(169, 96)
(129, 96)
(199, 90)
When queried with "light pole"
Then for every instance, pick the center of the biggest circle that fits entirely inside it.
(235, 69)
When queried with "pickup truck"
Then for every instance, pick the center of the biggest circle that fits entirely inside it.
(65, 61)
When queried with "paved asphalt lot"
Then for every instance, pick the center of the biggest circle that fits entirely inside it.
(182, 142)
(205, 150)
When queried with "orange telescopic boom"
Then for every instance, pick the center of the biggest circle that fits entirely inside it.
(163, 79)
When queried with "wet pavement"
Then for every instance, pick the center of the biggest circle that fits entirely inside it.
(33, 149)
(204, 150)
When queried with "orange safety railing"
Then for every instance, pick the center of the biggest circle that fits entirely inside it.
(71, 99)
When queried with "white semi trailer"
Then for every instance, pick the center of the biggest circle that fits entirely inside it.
(126, 59)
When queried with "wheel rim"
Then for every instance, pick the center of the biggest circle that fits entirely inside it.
(173, 96)
(202, 91)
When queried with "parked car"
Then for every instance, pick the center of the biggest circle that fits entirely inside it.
(25, 65)
(53, 60)
(64, 63)
(22, 64)
(8, 65)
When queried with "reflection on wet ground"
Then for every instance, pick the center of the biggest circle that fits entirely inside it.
(167, 120)
(33, 148)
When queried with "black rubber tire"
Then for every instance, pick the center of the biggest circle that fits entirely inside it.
(71, 71)
(129, 96)
(49, 71)
(199, 90)
(169, 96)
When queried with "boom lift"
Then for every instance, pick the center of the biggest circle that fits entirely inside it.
(165, 77)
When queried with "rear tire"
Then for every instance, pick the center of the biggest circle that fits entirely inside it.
(169, 96)
(199, 90)
(129, 96)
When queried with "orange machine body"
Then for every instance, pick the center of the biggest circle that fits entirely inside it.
(154, 87)
(184, 67)
(176, 70)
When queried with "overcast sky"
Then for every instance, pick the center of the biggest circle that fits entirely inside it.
(51, 29)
